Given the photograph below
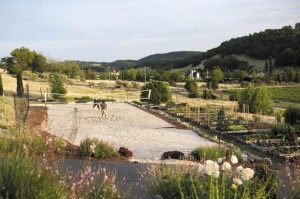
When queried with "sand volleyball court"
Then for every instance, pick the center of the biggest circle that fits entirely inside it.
(143, 133)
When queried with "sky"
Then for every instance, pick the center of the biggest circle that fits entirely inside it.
(109, 30)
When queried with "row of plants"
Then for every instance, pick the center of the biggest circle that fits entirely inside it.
(25, 144)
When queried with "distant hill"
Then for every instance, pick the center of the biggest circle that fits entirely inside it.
(280, 45)
(165, 60)
(169, 56)
(120, 64)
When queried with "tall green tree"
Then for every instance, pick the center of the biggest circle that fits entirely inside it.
(22, 58)
(176, 76)
(261, 101)
(192, 88)
(1, 86)
(89, 74)
(258, 100)
(246, 96)
(56, 85)
(160, 92)
(39, 63)
(20, 88)
(216, 77)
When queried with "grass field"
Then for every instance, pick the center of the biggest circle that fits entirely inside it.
(75, 88)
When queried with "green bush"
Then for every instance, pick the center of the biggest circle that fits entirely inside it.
(60, 147)
(96, 148)
(212, 153)
(24, 178)
(103, 150)
(85, 147)
(160, 92)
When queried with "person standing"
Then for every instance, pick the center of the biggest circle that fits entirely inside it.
(96, 103)
(104, 108)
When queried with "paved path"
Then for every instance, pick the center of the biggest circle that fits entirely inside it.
(128, 175)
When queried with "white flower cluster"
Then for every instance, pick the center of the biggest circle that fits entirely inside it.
(212, 168)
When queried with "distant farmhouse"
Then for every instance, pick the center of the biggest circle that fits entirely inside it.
(194, 74)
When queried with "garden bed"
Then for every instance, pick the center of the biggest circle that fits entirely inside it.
(262, 148)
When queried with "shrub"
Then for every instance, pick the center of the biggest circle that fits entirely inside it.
(204, 153)
(85, 147)
(25, 178)
(160, 92)
(103, 150)
(86, 184)
(60, 147)
(96, 148)
(173, 155)
(285, 131)
(123, 151)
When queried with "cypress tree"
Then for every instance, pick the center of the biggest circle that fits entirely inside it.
(20, 88)
(1, 86)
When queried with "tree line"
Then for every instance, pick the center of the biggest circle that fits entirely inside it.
(23, 59)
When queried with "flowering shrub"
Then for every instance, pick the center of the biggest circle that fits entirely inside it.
(86, 184)
(211, 180)
(123, 151)
(22, 177)
(60, 146)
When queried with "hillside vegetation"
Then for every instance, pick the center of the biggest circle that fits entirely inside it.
(281, 45)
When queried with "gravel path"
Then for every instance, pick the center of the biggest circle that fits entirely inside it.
(145, 134)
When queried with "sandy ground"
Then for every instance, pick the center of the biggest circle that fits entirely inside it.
(145, 134)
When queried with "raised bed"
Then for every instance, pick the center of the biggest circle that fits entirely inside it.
(246, 141)
(244, 131)
(263, 148)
